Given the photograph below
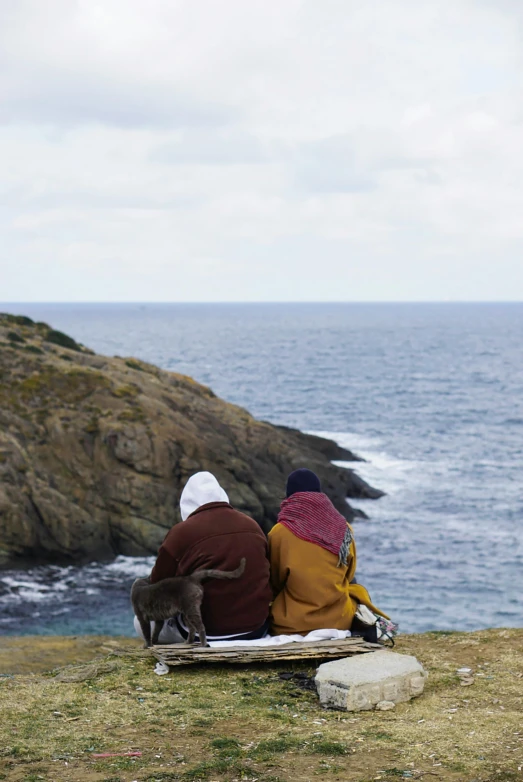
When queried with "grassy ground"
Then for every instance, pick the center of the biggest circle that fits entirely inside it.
(245, 723)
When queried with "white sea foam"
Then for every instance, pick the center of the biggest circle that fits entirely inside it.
(52, 583)
(25, 590)
(387, 472)
(138, 567)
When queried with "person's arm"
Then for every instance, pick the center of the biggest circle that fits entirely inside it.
(279, 573)
(166, 566)
(170, 554)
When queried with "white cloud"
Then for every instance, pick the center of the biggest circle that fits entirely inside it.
(202, 151)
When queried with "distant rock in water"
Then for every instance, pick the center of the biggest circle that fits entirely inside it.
(94, 451)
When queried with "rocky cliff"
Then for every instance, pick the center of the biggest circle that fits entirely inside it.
(94, 451)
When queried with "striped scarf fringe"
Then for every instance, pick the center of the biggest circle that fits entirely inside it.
(343, 556)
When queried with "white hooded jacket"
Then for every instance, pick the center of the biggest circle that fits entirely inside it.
(200, 489)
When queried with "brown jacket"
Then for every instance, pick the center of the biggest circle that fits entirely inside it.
(217, 536)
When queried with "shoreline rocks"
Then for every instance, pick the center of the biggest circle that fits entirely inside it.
(94, 451)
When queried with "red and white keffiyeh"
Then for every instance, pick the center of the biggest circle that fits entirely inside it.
(311, 516)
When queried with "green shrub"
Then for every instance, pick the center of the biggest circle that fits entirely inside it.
(325, 747)
(12, 336)
(33, 349)
(125, 391)
(20, 320)
(225, 743)
(59, 338)
(134, 365)
(71, 387)
(133, 415)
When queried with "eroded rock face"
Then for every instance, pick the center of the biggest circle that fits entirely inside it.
(94, 451)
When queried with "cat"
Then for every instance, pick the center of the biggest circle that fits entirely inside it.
(178, 595)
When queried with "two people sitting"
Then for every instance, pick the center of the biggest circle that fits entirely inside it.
(299, 579)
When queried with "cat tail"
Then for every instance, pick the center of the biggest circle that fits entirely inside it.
(201, 575)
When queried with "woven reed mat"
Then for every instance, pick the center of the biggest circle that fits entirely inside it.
(183, 654)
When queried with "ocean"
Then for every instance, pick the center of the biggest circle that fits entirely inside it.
(431, 395)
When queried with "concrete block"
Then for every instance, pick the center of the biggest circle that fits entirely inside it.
(361, 682)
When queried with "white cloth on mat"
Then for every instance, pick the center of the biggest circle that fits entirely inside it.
(279, 640)
(171, 635)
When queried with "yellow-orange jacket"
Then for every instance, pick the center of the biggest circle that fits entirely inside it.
(311, 591)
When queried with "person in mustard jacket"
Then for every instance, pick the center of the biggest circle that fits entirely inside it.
(313, 562)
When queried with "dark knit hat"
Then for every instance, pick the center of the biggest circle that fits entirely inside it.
(302, 480)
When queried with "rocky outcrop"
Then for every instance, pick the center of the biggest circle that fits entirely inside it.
(94, 451)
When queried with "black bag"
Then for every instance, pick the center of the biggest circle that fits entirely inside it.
(363, 630)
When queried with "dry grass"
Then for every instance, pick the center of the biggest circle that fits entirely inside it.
(244, 723)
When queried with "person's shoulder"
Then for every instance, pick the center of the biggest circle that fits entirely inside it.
(178, 530)
(245, 522)
(220, 520)
(280, 531)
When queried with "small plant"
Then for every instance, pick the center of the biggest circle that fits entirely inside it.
(220, 766)
(65, 341)
(267, 748)
(227, 748)
(378, 735)
(132, 414)
(92, 426)
(328, 748)
(17, 751)
(20, 320)
(34, 349)
(225, 743)
(13, 336)
(125, 391)
(132, 364)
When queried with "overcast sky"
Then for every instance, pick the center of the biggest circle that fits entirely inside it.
(233, 150)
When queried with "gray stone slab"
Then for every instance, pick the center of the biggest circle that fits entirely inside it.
(358, 683)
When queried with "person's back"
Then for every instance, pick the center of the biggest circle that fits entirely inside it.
(312, 592)
(215, 535)
(313, 562)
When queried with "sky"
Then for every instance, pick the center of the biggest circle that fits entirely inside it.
(245, 150)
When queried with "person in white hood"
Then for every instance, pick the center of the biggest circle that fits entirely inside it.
(212, 534)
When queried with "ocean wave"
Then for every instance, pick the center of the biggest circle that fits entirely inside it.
(137, 567)
(53, 584)
(15, 590)
(388, 472)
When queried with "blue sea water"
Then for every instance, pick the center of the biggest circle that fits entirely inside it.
(430, 394)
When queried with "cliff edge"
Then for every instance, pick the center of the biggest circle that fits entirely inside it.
(94, 451)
